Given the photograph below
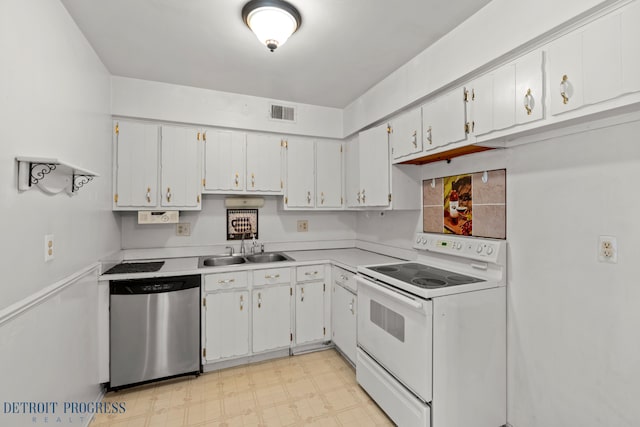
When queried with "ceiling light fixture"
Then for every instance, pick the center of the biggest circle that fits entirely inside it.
(272, 21)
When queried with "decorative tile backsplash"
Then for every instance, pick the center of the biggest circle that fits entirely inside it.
(470, 205)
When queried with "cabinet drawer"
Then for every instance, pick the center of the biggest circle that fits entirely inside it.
(271, 276)
(306, 273)
(345, 279)
(228, 280)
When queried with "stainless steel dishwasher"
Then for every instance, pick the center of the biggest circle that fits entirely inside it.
(154, 329)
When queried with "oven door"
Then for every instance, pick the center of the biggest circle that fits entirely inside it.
(395, 329)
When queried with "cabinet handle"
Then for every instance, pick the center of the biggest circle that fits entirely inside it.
(564, 89)
(224, 282)
(322, 198)
(253, 180)
(259, 300)
(301, 294)
(351, 306)
(271, 276)
(364, 198)
(528, 102)
(241, 302)
(148, 194)
(359, 198)
(169, 194)
(414, 139)
(237, 181)
(429, 135)
(310, 273)
(308, 197)
(343, 277)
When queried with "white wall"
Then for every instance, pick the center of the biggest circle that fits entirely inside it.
(208, 227)
(168, 102)
(495, 30)
(55, 100)
(573, 349)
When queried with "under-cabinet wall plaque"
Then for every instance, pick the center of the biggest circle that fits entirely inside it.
(469, 205)
(242, 222)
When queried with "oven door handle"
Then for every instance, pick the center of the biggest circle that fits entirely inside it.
(395, 295)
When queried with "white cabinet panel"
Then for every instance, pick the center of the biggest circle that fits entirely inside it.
(602, 60)
(565, 73)
(482, 104)
(529, 100)
(343, 314)
(271, 318)
(136, 183)
(352, 173)
(225, 160)
(181, 167)
(629, 36)
(406, 134)
(448, 117)
(504, 79)
(329, 174)
(264, 164)
(300, 174)
(310, 312)
(374, 166)
(226, 325)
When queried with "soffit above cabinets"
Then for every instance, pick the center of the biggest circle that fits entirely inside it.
(341, 50)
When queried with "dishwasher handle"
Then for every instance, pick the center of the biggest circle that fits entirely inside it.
(155, 285)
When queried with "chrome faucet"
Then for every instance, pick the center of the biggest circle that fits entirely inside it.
(230, 248)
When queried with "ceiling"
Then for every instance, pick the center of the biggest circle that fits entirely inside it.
(342, 48)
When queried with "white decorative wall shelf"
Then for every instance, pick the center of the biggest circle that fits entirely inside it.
(51, 175)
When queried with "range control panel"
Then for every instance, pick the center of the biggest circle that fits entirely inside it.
(487, 250)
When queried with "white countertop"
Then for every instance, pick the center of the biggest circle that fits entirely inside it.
(348, 259)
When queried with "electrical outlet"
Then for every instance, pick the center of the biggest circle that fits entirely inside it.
(48, 248)
(607, 249)
(183, 229)
(303, 225)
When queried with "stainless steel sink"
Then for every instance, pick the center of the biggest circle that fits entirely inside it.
(268, 257)
(222, 260)
(217, 261)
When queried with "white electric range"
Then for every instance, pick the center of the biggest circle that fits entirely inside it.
(432, 333)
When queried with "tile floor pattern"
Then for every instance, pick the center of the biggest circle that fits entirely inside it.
(317, 389)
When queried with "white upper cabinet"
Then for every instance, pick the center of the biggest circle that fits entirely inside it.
(300, 174)
(565, 73)
(181, 167)
(352, 173)
(136, 165)
(264, 164)
(329, 172)
(157, 167)
(630, 35)
(374, 188)
(601, 60)
(406, 134)
(225, 153)
(482, 104)
(529, 93)
(504, 94)
(444, 119)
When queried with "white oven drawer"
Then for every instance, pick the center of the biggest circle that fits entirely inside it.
(395, 328)
(401, 406)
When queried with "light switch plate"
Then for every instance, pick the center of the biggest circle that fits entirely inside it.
(303, 225)
(183, 229)
(49, 253)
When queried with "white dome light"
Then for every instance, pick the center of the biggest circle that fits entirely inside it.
(272, 21)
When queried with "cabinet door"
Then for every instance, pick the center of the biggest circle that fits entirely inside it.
(271, 318)
(309, 312)
(406, 134)
(504, 81)
(565, 73)
(226, 325)
(602, 60)
(630, 34)
(343, 313)
(482, 104)
(529, 93)
(264, 164)
(136, 165)
(449, 118)
(180, 167)
(224, 160)
(374, 166)
(300, 174)
(329, 174)
(352, 172)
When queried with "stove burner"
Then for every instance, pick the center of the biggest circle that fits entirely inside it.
(426, 282)
(385, 269)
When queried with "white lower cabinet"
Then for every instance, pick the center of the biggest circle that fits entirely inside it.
(310, 325)
(271, 309)
(343, 313)
(226, 325)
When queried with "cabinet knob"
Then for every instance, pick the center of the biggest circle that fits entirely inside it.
(359, 198)
(148, 194)
(169, 194)
(308, 197)
(253, 180)
(364, 198)
(528, 102)
(565, 86)
(322, 198)
(301, 294)
(237, 180)
(429, 135)
(414, 139)
(259, 300)
(351, 306)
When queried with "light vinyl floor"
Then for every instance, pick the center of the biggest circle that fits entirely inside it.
(317, 389)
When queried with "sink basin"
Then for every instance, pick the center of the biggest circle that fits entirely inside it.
(268, 257)
(217, 261)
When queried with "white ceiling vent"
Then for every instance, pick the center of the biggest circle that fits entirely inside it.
(282, 112)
